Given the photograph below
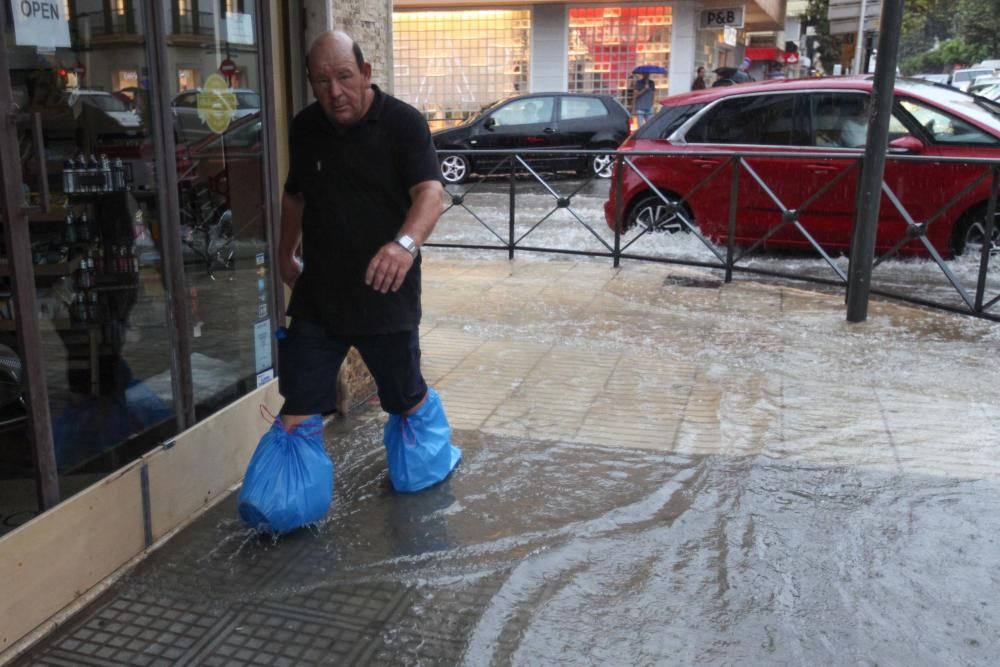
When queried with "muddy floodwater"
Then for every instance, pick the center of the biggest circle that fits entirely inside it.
(658, 469)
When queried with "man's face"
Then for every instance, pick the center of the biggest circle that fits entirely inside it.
(340, 87)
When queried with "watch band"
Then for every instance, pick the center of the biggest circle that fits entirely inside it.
(409, 245)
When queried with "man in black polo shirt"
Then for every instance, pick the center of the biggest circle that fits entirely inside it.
(363, 193)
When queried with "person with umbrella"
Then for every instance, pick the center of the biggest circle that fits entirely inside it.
(643, 92)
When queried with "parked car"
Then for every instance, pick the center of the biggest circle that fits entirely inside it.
(944, 79)
(189, 126)
(991, 92)
(963, 78)
(539, 121)
(804, 116)
(89, 119)
(982, 83)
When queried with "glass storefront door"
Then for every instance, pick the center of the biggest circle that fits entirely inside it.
(85, 96)
(219, 130)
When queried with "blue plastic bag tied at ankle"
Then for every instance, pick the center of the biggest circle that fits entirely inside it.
(418, 447)
(289, 481)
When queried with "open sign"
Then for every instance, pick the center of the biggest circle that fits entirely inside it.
(40, 23)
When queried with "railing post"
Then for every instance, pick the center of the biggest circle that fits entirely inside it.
(870, 184)
(616, 257)
(734, 193)
(988, 225)
(510, 222)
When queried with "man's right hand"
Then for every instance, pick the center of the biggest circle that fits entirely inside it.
(290, 269)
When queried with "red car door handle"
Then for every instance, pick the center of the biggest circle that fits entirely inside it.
(706, 164)
(822, 168)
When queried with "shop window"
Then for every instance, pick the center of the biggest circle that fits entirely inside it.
(452, 64)
(606, 44)
(187, 78)
(124, 79)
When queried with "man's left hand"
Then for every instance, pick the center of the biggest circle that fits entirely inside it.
(388, 268)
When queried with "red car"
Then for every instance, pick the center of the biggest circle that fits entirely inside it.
(803, 116)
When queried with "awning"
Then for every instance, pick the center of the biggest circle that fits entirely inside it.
(768, 53)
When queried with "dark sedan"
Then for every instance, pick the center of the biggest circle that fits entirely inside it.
(537, 122)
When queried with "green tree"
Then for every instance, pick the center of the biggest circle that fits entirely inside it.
(826, 46)
(979, 26)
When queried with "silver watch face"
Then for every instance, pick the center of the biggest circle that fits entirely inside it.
(408, 244)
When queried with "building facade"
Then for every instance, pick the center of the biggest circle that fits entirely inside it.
(450, 61)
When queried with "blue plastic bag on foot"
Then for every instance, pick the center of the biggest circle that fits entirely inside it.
(418, 447)
(289, 481)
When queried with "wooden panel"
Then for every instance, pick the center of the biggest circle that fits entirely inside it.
(57, 557)
(205, 461)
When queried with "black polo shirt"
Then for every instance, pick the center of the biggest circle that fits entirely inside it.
(356, 187)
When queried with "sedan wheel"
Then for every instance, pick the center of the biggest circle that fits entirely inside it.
(972, 235)
(454, 168)
(601, 165)
(653, 214)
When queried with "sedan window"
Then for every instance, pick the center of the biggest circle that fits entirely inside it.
(839, 120)
(524, 112)
(667, 121)
(943, 128)
(759, 119)
(581, 107)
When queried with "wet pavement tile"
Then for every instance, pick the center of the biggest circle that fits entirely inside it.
(549, 552)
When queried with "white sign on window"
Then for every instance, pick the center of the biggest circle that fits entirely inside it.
(239, 28)
(262, 345)
(40, 24)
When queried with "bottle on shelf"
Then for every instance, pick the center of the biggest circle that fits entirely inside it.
(94, 173)
(84, 279)
(106, 185)
(118, 171)
(98, 256)
(134, 260)
(69, 177)
(111, 265)
(82, 182)
(69, 234)
(78, 311)
(83, 228)
(124, 263)
(94, 309)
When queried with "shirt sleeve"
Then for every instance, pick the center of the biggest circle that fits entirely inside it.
(417, 157)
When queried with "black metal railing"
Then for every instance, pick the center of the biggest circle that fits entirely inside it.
(517, 173)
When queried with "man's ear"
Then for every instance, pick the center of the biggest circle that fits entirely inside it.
(366, 71)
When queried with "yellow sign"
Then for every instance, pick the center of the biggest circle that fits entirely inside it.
(216, 103)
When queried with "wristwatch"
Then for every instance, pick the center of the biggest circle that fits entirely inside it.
(409, 245)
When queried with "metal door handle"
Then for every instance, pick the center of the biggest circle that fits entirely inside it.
(549, 130)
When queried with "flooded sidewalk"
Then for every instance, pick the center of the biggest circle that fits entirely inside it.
(658, 469)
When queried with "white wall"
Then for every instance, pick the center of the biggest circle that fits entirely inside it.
(682, 48)
(549, 46)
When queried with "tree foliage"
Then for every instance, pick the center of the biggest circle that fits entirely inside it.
(939, 35)
(825, 45)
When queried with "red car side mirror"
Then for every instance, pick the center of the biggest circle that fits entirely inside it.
(907, 144)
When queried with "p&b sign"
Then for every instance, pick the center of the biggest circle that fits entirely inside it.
(722, 17)
(40, 23)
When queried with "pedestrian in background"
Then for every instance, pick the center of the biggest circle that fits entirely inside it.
(643, 93)
(699, 80)
(362, 195)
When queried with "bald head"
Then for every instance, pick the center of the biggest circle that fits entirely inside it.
(340, 78)
(334, 41)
